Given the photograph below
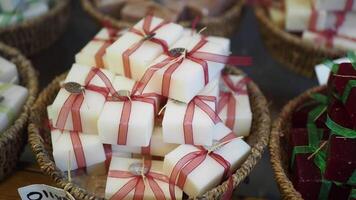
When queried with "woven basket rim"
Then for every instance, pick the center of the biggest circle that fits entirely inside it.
(31, 85)
(26, 24)
(47, 166)
(281, 175)
(261, 15)
(99, 16)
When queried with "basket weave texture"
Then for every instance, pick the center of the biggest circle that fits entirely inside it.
(257, 140)
(298, 55)
(279, 143)
(223, 25)
(13, 139)
(34, 35)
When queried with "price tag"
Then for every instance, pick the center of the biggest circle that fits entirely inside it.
(43, 192)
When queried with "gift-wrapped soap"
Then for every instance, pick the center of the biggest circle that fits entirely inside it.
(322, 71)
(76, 150)
(341, 76)
(192, 123)
(332, 5)
(137, 179)
(156, 148)
(94, 52)
(8, 72)
(128, 118)
(79, 103)
(12, 98)
(336, 41)
(210, 172)
(187, 69)
(132, 53)
(234, 104)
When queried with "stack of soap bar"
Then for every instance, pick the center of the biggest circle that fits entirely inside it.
(130, 171)
(209, 173)
(140, 59)
(129, 121)
(86, 105)
(177, 124)
(12, 98)
(8, 72)
(157, 146)
(76, 150)
(94, 52)
(234, 104)
(185, 81)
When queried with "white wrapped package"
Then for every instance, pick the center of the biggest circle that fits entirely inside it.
(76, 150)
(209, 173)
(79, 110)
(12, 98)
(94, 52)
(191, 123)
(156, 148)
(336, 41)
(234, 104)
(332, 5)
(128, 120)
(323, 72)
(125, 170)
(225, 42)
(8, 72)
(132, 53)
(9, 5)
(183, 77)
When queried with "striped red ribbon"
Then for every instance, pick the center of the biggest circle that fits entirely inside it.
(191, 161)
(200, 102)
(147, 33)
(74, 102)
(228, 98)
(137, 184)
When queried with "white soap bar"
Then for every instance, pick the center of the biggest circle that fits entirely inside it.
(9, 5)
(202, 125)
(225, 42)
(335, 5)
(187, 80)
(113, 185)
(90, 108)
(140, 59)
(35, 9)
(94, 52)
(127, 122)
(12, 99)
(323, 72)
(209, 173)
(336, 41)
(76, 150)
(157, 146)
(234, 105)
(8, 72)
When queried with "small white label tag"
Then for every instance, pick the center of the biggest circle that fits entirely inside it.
(43, 192)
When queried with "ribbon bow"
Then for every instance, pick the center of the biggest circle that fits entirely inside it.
(192, 160)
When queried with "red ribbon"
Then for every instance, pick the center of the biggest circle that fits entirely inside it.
(194, 55)
(191, 161)
(348, 5)
(78, 149)
(108, 154)
(198, 101)
(137, 184)
(74, 101)
(228, 99)
(147, 34)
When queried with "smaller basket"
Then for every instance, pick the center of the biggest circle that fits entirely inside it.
(13, 139)
(258, 140)
(223, 25)
(279, 143)
(292, 51)
(34, 35)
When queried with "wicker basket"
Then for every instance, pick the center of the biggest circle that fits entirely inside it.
(13, 139)
(279, 143)
(290, 50)
(258, 140)
(223, 25)
(34, 35)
